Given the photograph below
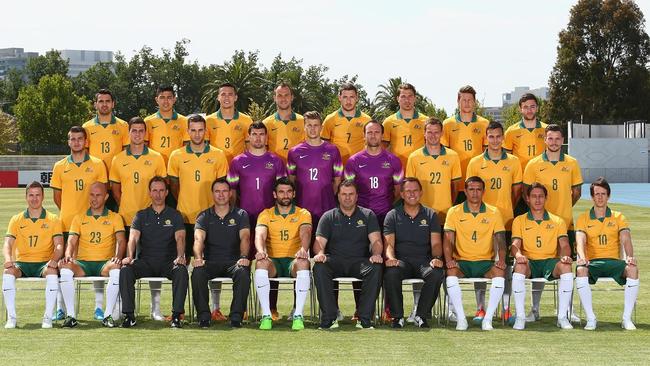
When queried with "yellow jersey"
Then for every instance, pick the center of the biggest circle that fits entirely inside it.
(602, 233)
(104, 141)
(229, 135)
(283, 237)
(474, 231)
(404, 135)
(283, 135)
(34, 237)
(96, 234)
(539, 237)
(166, 135)
(525, 143)
(466, 138)
(346, 133)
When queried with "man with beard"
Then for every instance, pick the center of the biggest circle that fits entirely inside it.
(286, 128)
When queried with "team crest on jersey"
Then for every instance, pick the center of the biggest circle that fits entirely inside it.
(360, 223)
(506, 168)
(611, 224)
(385, 165)
(45, 226)
(106, 222)
(417, 127)
(540, 136)
(326, 156)
(550, 226)
(359, 124)
(476, 131)
(147, 162)
(89, 170)
(293, 220)
(445, 163)
(295, 129)
(176, 128)
(168, 222)
(485, 221)
(116, 132)
(268, 165)
(237, 128)
(565, 169)
(210, 161)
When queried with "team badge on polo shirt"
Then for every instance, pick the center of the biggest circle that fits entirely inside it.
(231, 222)
(293, 220)
(360, 223)
(423, 222)
(168, 222)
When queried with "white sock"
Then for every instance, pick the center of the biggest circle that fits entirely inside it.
(99, 294)
(66, 282)
(302, 289)
(479, 290)
(51, 291)
(59, 301)
(453, 290)
(263, 288)
(156, 288)
(117, 309)
(565, 291)
(536, 293)
(215, 291)
(631, 293)
(496, 294)
(584, 292)
(112, 291)
(9, 294)
(519, 293)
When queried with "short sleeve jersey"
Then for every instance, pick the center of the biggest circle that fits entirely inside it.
(404, 134)
(104, 141)
(525, 143)
(315, 168)
(229, 135)
(195, 173)
(133, 173)
(34, 236)
(376, 177)
(166, 135)
(345, 132)
(347, 236)
(412, 234)
(465, 138)
(74, 181)
(558, 177)
(499, 176)
(283, 235)
(539, 237)
(96, 234)
(283, 135)
(157, 232)
(474, 231)
(222, 240)
(602, 233)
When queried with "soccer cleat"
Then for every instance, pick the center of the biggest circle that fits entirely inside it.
(452, 316)
(69, 322)
(461, 324)
(329, 325)
(204, 324)
(108, 322)
(339, 315)
(217, 316)
(386, 317)
(564, 323)
(397, 323)
(266, 323)
(507, 317)
(275, 315)
(411, 318)
(291, 313)
(574, 318)
(235, 324)
(245, 316)
(99, 314)
(628, 325)
(420, 322)
(361, 324)
(298, 323)
(60, 315)
(176, 322)
(11, 323)
(170, 317)
(129, 321)
(591, 324)
(486, 324)
(47, 323)
(520, 323)
(479, 316)
(157, 316)
(533, 316)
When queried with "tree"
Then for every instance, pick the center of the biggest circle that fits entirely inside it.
(8, 133)
(511, 114)
(601, 71)
(385, 102)
(46, 111)
(432, 110)
(50, 64)
(9, 88)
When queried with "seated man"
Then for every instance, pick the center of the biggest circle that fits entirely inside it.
(472, 229)
(348, 243)
(601, 233)
(221, 246)
(282, 240)
(413, 250)
(33, 246)
(159, 231)
(92, 251)
(536, 236)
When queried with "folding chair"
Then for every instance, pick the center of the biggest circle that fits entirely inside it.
(292, 281)
(228, 281)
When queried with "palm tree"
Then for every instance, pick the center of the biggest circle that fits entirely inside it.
(385, 102)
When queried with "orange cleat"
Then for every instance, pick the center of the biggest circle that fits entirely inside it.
(218, 316)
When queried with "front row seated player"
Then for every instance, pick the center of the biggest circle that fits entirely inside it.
(601, 235)
(33, 246)
(536, 236)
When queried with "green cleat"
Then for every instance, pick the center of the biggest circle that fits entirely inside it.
(266, 323)
(298, 323)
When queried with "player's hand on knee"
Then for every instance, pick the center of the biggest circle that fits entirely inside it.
(261, 256)
(500, 264)
(52, 264)
(116, 260)
(126, 261)
(566, 259)
(630, 261)
(9, 264)
(199, 262)
(302, 253)
(320, 258)
(521, 259)
(451, 264)
(392, 262)
(436, 263)
(582, 262)
(376, 258)
(243, 262)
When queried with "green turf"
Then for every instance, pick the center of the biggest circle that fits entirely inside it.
(154, 343)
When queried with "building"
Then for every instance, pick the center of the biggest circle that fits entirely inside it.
(13, 58)
(82, 60)
(493, 114)
(513, 96)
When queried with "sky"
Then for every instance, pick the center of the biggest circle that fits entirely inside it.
(436, 45)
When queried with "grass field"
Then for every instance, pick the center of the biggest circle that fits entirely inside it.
(155, 343)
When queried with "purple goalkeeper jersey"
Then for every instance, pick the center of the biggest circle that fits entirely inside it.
(253, 177)
(375, 177)
(315, 168)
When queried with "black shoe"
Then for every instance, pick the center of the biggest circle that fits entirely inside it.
(397, 323)
(69, 322)
(176, 321)
(421, 322)
(203, 324)
(235, 323)
(129, 321)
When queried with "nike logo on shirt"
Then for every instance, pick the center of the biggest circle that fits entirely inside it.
(302, 156)
(185, 161)
(92, 133)
(22, 227)
(126, 164)
(65, 171)
(245, 166)
(362, 166)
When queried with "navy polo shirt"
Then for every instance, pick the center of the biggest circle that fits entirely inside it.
(347, 236)
(157, 232)
(412, 235)
(222, 233)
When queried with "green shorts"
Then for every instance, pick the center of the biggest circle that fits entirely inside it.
(282, 266)
(614, 268)
(543, 268)
(475, 269)
(92, 268)
(31, 269)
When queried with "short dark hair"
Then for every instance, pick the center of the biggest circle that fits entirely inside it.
(158, 178)
(373, 121)
(347, 183)
(257, 125)
(406, 86)
(474, 179)
(410, 179)
(348, 86)
(526, 97)
(494, 125)
(602, 183)
(165, 88)
(137, 121)
(538, 185)
(284, 181)
(35, 184)
(432, 121)
(228, 85)
(220, 180)
(312, 115)
(283, 84)
(104, 92)
(195, 118)
(467, 89)
(553, 128)
(77, 129)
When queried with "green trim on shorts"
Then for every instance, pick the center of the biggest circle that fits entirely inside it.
(92, 268)
(475, 269)
(283, 266)
(543, 268)
(614, 268)
(31, 269)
